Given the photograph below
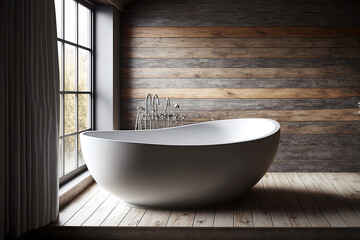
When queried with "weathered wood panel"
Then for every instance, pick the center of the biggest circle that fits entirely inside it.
(323, 115)
(320, 140)
(227, 62)
(297, 62)
(295, 128)
(336, 128)
(250, 104)
(169, 42)
(234, 9)
(241, 32)
(178, 73)
(310, 166)
(247, 2)
(294, 153)
(244, 93)
(240, 20)
(349, 81)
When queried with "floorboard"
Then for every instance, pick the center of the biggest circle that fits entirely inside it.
(280, 200)
(276, 207)
(204, 218)
(312, 212)
(291, 204)
(330, 213)
(345, 211)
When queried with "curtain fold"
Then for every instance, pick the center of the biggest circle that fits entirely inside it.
(29, 115)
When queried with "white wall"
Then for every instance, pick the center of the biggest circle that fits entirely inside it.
(107, 68)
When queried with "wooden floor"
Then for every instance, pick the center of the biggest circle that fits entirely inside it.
(278, 200)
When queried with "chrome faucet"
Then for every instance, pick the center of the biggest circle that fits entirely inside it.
(166, 106)
(147, 106)
(148, 117)
(154, 110)
(166, 110)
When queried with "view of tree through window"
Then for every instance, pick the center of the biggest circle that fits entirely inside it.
(74, 30)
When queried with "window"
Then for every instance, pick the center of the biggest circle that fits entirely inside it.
(74, 31)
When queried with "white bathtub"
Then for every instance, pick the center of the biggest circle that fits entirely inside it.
(189, 166)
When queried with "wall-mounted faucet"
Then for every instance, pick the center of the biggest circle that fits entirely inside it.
(154, 110)
(155, 104)
(147, 107)
(150, 112)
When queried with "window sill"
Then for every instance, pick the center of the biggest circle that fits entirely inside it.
(74, 187)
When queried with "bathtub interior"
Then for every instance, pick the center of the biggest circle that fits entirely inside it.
(207, 133)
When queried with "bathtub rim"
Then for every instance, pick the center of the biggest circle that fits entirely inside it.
(274, 131)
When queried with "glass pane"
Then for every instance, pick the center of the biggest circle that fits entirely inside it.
(60, 158)
(58, 10)
(84, 70)
(70, 154)
(80, 155)
(60, 64)
(70, 20)
(84, 111)
(69, 113)
(70, 68)
(84, 26)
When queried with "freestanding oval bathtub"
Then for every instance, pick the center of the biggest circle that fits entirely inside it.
(189, 166)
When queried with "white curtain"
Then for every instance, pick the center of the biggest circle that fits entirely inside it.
(29, 76)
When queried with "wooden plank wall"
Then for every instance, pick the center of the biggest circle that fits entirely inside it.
(295, 61)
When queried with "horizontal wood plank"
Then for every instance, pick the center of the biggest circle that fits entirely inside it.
(241, 32)
(247, 2)
(338, 19)
(236, 73)
(167, 42)
(234, 9)
(289, 60)
(292, 153)
(320, 140)
(324, 115)
(239, 53)
(236, 93)
(320, 127)
(349, 81)
(297, 128)
(187, 104)
(314, 166)
(326, 130)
